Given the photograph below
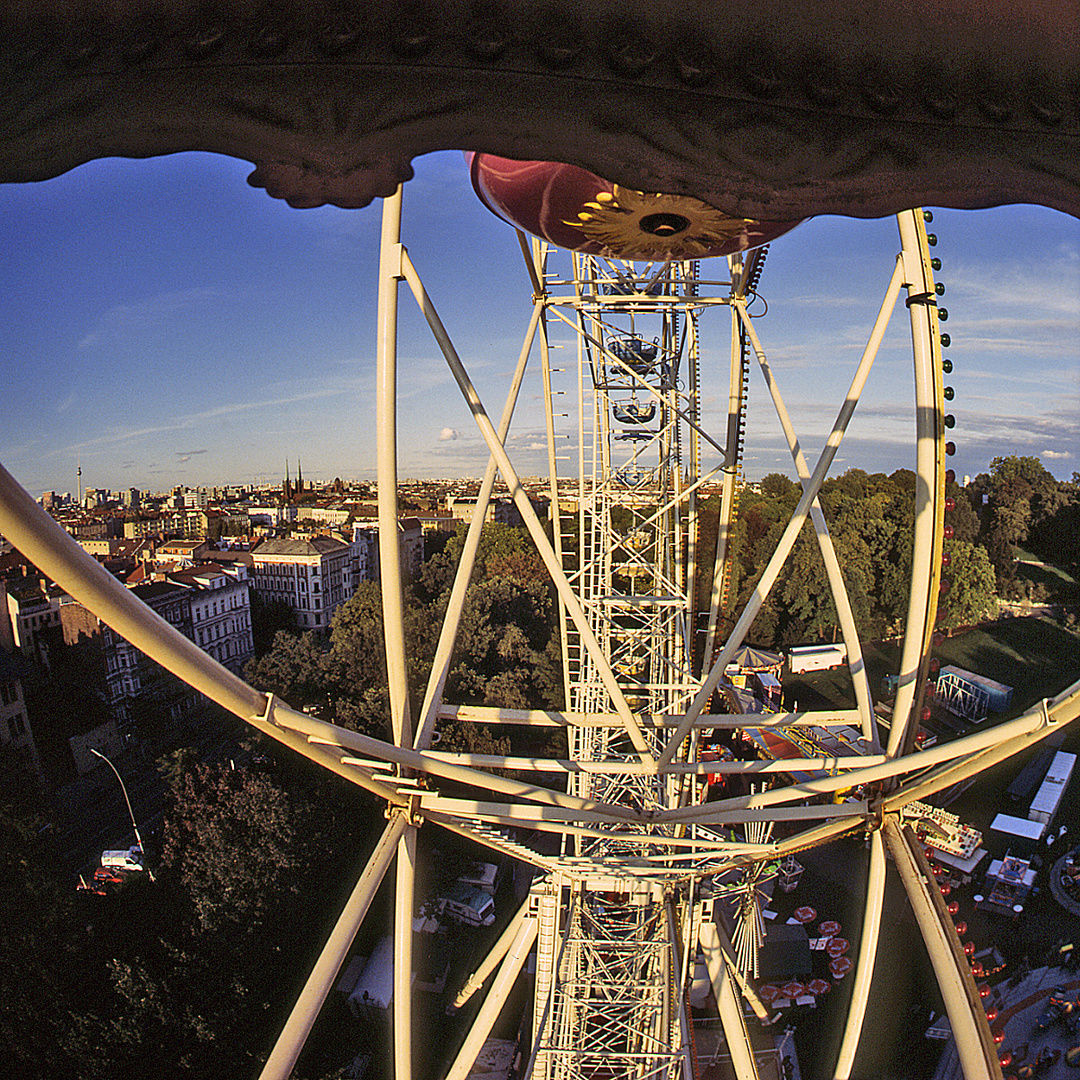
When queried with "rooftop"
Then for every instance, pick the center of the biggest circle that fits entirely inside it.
(317, 545)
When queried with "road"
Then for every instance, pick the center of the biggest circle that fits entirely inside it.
(89, 815)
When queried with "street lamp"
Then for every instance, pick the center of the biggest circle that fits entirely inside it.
(131, 813)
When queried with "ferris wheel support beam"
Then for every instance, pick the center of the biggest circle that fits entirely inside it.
(320, 732)
(290, 1042)
(440, 665)
(493, 714)
(734, 1024)
(404, 893)
(848, 629)
(617, 767)
(494, 956)
(390, 256)
(393, 605)
(512, 963)
(864, 965)
(718, 951)
(929, 483)
(971, 1030)
(727, 491)
(525, 508)
(535, 256)
(679, 957)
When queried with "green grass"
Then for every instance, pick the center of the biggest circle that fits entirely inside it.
(1034, 656)
(1060, 585)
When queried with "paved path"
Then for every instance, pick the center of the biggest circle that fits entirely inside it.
(1057, 890)
(1020, 1007)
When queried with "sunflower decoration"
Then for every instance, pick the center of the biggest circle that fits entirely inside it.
(636, 225)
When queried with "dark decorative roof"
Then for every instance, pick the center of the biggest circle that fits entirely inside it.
(803, 109)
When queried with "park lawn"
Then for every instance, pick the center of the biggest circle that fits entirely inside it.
(1061, 586)
(1034, 656)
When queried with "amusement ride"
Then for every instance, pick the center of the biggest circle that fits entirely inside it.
(637, 872)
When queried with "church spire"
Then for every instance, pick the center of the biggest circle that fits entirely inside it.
(286, 489)
(299, 479)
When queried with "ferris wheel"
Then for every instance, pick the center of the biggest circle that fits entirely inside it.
(645, 874)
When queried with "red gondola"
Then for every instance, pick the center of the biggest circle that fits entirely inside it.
(578, 210)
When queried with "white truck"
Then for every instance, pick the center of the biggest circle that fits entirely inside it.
(804, 658)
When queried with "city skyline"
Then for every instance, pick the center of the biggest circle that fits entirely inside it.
(167, 325)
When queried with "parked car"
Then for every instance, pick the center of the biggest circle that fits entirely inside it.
(110, 874)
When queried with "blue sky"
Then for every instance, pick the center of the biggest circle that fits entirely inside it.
(167, 324)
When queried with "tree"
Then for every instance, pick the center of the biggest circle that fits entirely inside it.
(780, 487)
(1030, 470)
(871, 521)
(172, 766)
(42, 953)
(962, 518)
(971, 596)
(296, 669)
(504, 653)
(238, 845)
(504, 551)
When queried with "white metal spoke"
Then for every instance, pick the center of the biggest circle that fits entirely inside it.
(393, 602)
(440, 665)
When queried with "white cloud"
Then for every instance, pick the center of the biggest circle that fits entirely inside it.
(449, 434)
(152, 311)
(1055, 454)
(218, 412)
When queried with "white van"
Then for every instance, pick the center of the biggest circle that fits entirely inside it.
(131, 859)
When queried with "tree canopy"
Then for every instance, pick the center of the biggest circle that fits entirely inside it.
(507, 650)
(871, 522)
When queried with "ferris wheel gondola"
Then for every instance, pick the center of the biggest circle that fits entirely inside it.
(579, 211)
(634, 412)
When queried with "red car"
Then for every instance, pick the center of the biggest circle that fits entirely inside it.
(109, 874)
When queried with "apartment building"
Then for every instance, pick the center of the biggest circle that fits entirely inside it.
(366, 548)
(220, 611)
(15, 735)
(30, 612)
(314, 577)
